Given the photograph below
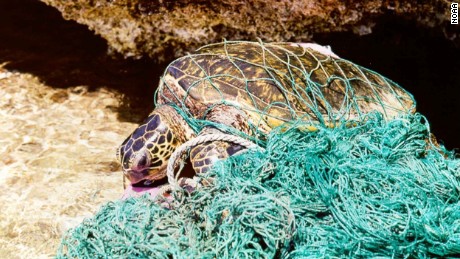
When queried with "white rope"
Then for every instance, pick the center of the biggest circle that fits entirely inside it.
(173, 179)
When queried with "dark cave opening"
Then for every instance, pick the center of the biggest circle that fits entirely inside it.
(421, 60)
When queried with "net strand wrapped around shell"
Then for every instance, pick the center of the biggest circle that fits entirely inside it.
(275, 84)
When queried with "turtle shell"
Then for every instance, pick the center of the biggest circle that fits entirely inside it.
(280, 82)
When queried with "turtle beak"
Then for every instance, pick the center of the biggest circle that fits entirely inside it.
(139, 168)
(141, 185)
(136, 176)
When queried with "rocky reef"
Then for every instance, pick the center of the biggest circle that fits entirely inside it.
(162, 29)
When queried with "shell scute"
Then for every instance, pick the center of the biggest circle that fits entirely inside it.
(283, 81)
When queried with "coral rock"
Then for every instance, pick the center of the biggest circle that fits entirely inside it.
(163, 29)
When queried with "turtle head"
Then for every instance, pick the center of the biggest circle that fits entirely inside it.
(144, 154)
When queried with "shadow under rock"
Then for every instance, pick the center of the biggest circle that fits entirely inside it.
(36, 39)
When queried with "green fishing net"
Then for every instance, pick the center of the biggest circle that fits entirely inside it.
(348, 171)
(276, 83)
(378, 189)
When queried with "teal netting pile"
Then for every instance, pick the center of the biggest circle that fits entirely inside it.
(379, 188)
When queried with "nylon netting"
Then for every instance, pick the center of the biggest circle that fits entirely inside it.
(364, 180)
(376, 189)
(274, 84)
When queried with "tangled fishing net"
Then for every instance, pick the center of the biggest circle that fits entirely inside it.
(376, 189)
(372, 185)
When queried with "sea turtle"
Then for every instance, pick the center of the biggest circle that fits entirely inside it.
(251, 87)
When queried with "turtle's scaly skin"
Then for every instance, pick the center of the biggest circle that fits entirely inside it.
(159, 139)
(151, 144)
(264, 85)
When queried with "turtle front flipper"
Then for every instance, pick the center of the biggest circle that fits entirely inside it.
(203, 156)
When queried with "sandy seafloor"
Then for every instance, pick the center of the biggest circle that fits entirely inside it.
(57, 163)
(65, 106)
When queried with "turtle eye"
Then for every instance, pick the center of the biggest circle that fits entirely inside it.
(141, 161)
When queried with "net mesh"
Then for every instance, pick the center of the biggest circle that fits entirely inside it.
(376, 189)
(275, 84)
(364, 179)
